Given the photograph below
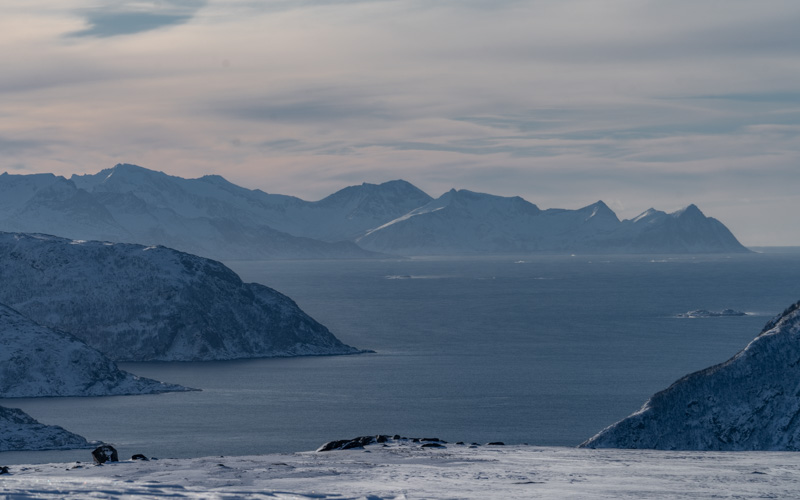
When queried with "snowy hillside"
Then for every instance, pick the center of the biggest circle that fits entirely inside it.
(139, 303)
(352, 211)
(476, 223)
(36, 361)
(411, 472)
(19, 431)
(750, 402)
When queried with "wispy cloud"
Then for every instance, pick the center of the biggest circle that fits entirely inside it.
(126, 18)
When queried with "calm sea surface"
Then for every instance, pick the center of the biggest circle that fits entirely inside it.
(542, 350)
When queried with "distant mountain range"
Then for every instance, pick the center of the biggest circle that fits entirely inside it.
(209, 216)
(749, 402)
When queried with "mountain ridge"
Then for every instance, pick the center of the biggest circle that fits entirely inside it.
(213, 217)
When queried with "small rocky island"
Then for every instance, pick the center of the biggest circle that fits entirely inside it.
(704, 313)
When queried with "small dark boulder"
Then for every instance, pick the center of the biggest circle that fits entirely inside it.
(139, 456)
(435, 440)
(347, 444)
(4, 470)
(381, 439)
(105, 453)
(496, 443)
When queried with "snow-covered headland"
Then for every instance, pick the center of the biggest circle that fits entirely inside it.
(405, 470)
(749, 402)
(138, 303)
(19, 431)
(36, 361)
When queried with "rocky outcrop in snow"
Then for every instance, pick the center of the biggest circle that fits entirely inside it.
(19, 431)
(36, 361)
(750, 402)
(137, 303)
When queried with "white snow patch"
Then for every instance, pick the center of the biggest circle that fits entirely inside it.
(406, 471)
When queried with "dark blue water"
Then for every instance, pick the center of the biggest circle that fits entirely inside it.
(542, 350)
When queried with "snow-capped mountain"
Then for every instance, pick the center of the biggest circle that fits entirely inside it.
(467, 222)
(19, 431)
(138, 303)
(352, 211)
(458, 222)
(36, 361)
(749, 402)
(686, 231)
(209, 216)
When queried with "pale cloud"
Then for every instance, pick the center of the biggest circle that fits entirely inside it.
(561, 102)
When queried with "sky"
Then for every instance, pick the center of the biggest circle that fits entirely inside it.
(639, 103)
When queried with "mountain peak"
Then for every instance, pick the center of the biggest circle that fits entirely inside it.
(689, 211)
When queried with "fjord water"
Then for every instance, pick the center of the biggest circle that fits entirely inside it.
(544, 350)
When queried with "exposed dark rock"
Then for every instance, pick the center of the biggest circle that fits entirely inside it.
(496, 443)
(4, 470)
(348, 444)
(139, 456)
(105, 453)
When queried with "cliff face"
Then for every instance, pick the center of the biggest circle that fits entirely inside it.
(141, 303)
(750, 402)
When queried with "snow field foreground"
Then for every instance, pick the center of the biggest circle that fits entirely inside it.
(407, 471)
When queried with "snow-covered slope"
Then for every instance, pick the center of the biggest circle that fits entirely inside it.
(458, 222)
(19, 431)
(36, 361)
(153, 303)
(465, 222)
(686, 231)
(750, 402)
(411, 472)
(352, 211)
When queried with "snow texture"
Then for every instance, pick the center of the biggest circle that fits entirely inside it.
(36, 361)
(750, 402)
(19, 431)
(210, 216)
(138, 303)
(408, 471)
